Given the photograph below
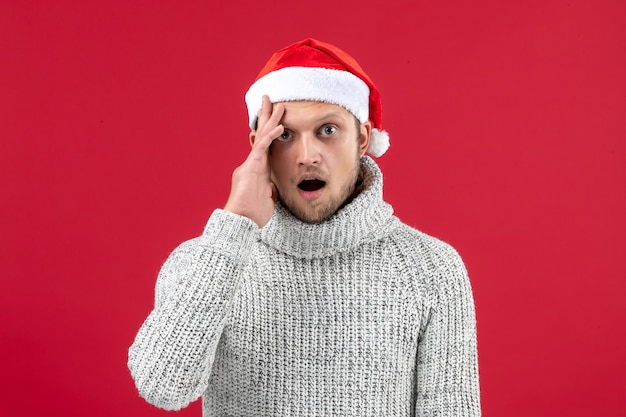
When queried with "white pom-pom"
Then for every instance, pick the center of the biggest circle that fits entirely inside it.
(379, 143)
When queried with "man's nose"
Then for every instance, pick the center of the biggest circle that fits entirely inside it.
(308, 150)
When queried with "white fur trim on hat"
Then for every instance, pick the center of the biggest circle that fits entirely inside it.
(315, 84)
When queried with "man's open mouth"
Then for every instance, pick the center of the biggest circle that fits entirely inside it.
(312, 184)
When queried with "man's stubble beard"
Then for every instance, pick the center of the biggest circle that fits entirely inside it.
(322, 213)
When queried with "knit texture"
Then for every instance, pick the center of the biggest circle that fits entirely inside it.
(361, 315)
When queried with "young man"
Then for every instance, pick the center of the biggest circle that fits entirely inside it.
(305, 296)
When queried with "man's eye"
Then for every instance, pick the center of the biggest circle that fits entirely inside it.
(328, 130)
(285, 135)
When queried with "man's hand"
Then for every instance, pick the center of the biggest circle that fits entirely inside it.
(252, 193)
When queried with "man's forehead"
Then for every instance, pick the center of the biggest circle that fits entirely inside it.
(313, 109)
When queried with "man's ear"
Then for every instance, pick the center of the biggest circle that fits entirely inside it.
(364, 137)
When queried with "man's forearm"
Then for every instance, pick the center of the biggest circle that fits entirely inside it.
(172, 355)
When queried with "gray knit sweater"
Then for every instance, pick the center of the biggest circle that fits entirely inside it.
(358, 316)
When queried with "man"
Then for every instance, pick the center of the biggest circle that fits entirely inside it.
(305, 296)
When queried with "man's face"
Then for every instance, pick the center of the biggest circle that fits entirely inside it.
(315, 162)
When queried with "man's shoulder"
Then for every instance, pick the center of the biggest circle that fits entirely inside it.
(415, 242)
(433, 263)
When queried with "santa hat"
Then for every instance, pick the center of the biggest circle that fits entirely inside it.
(318, 71)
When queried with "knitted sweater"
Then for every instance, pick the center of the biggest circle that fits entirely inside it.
(361, 315)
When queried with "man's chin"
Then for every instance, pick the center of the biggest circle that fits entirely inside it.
(310, 215)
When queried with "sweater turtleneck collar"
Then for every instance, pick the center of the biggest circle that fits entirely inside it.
(365, 218)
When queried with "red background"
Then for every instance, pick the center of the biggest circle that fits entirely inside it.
(120, 125)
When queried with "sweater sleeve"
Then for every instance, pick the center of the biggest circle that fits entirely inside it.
(172, 355)
(447, 360)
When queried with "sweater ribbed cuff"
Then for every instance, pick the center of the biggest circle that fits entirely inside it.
(234, 234)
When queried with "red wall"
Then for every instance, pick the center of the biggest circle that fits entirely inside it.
(120, 124)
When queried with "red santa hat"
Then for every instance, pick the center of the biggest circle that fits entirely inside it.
(318, 71)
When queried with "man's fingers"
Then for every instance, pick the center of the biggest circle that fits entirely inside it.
(269, 129)
(269, 113)
(265, 112)
(263, 142)
(277, 113)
